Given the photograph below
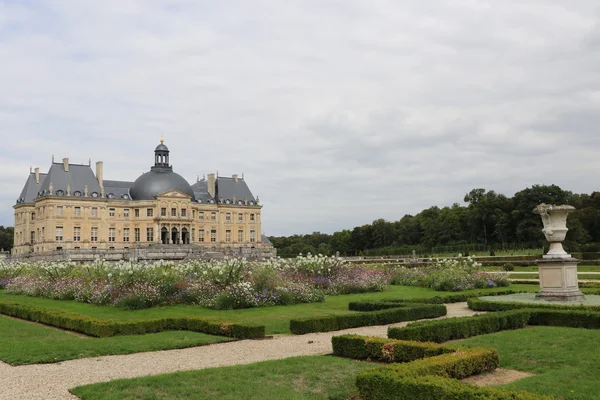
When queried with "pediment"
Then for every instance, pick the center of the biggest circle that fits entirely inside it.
(174, 194)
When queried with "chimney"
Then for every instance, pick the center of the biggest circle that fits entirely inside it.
(99, 173)
(66, 164)
(211, 185)
(235, 177)
(37, 176)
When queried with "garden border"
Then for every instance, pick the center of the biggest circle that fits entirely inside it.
(104, 328)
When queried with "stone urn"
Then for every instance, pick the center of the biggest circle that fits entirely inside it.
(555, 229)
(558, 270)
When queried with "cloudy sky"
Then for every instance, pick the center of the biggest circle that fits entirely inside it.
(338, 112)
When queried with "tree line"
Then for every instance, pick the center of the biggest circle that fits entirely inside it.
(6, 237)
(487, 221)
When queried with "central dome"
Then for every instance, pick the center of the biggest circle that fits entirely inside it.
(160, 179)
(156, 182)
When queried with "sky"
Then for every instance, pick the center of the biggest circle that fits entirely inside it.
(338, 112)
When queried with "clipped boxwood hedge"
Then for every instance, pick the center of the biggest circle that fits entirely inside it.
(104, 328)
(385, 350)
(491, 305)
(401, 312)
(462, 327)
(386, 383)
(452, 298)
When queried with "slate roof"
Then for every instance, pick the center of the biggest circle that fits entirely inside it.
(118, 189)
(228, 189)
(77, 178)
(31, 188)
(200, 189)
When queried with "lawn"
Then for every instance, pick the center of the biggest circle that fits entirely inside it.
(560, 358)
(580, 268)
(536, 276)
(307, 378)
(28, 343)
(276, 319)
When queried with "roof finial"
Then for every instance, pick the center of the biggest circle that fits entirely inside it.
(217, 173)
(197, 178)
(89, 162)
(52, 157)
(162, 139)
(30, 170)
(242, 175)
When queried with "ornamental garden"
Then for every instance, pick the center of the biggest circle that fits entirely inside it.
(389, 331)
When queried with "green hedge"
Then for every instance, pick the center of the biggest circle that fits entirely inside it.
(386, 383)
(385, 350)
(490, 305)
(435, 387)
(459, 328)
(452, 298)
(104, 328)
(567, 318)
(402, 312)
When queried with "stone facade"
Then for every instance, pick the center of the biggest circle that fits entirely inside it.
(74, 221)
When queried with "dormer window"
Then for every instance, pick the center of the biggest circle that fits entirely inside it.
(94, 194)
(77, 193)
(110, 196)
(60, 192)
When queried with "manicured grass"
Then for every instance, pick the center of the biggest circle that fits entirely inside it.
(28, 343)
(536, 276)
(276, 319)
(580, 268)
(307, 378)
(562, 359)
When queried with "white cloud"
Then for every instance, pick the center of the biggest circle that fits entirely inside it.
(338, 112)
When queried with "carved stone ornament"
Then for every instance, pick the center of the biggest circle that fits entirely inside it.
(51, 188)
(68, 190)
(555, 228)
(85, 191)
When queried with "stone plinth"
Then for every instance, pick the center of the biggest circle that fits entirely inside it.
(558, 279)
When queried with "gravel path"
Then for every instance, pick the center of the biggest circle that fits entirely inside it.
(52, 381)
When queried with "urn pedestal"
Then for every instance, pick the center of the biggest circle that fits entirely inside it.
(557, 269)
(558, 280)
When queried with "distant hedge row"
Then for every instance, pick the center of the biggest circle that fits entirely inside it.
(397, 313)
(104, 328)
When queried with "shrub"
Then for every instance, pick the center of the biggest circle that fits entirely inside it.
(104, 328)
(387, 383)
(402, 312)
(386, 350)
(458, 328)
(509, 267)
(490, 305)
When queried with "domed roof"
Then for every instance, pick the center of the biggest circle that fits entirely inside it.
(161, 147)
(158, 181)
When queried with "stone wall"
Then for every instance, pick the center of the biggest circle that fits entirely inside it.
(152, 253)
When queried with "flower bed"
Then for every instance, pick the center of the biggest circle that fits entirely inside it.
(227, 284)
(453, 274)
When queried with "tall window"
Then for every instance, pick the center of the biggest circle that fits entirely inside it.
(77, 234)
(59, 210)
(32, 237)
(253, 235)
(137, 234)
(240, 217)
(213, 216)
(94, 234)
(59, 233)
(228, 217)
(163, 212)
(126, 212)
(240, 235)
(193, 213)
(136, 212)
(251, 217)
(193, 234)
(228, 235)
(149, 212)
(94, 211)
(77, 211)
(183, 212)
(173, 212)
(126, 234)
(200, 214)
(213, 235)
(111, 212)
(33, 216)
(150, 234)
(111, 234)
(43, 231)
(201, 235)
